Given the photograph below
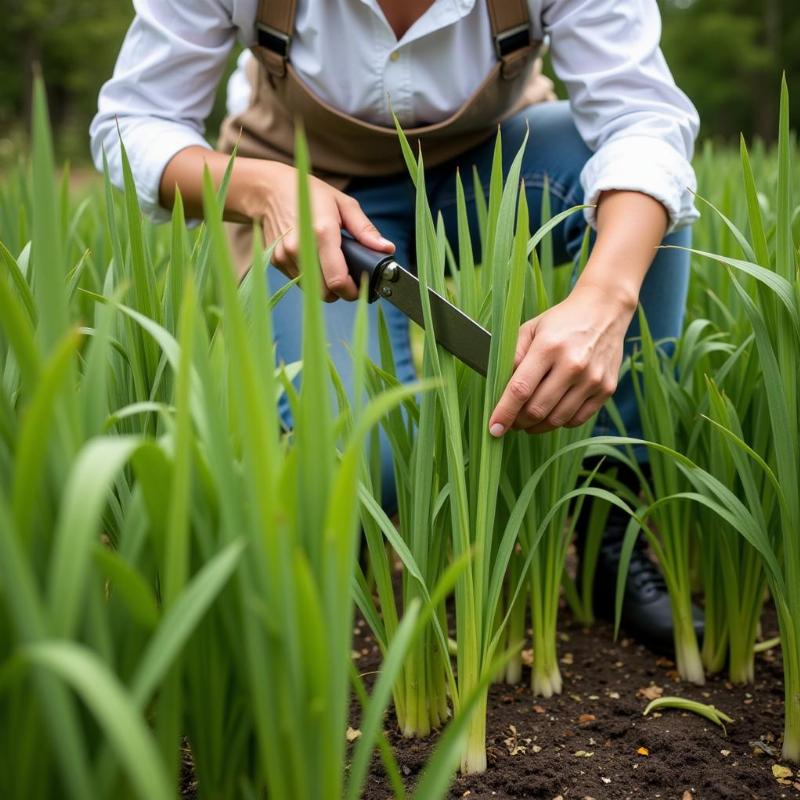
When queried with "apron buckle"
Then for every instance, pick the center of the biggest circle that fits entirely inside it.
(273, 40)
(276, 45)
(508, 42)
(514, 49)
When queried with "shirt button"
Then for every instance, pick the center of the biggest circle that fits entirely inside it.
(395, 55)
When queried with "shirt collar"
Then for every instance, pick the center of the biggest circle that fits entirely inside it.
(441, 14)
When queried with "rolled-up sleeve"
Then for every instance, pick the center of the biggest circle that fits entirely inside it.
(640, 126)
(162, 90)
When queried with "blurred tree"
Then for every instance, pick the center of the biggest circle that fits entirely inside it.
(728, 55)
(74, 42)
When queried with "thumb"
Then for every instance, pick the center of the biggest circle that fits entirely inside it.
(359, 226)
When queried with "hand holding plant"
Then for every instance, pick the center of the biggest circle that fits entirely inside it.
(566, 364)
(568, 358)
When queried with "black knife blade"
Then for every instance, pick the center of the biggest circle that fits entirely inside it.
(453, 329)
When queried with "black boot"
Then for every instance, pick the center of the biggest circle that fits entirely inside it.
(646, 611)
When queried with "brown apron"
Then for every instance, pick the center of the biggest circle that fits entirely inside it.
(341, 146)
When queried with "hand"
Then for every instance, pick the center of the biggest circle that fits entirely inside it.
(566, 364)
(267, 191)
(539, 88)
(332, 210)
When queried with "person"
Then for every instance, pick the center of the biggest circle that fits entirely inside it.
(451, 71)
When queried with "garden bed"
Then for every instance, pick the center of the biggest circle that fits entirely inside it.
(592, 741)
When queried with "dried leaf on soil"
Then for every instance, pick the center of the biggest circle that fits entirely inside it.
(651, 692)
(352, 734)
(779, 771)
(515, 745)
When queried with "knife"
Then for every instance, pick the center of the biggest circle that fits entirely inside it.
(453, 329)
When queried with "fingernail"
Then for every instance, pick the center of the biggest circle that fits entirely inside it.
(497, 429)
(384, 242)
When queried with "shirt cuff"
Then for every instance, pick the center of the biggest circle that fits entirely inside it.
(151, 144)
(642, 164)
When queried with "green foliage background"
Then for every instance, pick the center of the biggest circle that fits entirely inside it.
(726, 54)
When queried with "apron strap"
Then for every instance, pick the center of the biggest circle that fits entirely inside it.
(274, 29)
(511, 31)
(510, 20)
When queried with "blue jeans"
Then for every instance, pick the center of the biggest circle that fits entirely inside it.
(555, 149)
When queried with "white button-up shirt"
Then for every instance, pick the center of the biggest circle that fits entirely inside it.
(625, 103)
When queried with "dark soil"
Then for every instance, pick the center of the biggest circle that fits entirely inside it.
(592, 742)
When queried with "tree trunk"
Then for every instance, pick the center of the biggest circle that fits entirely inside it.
(767, 104)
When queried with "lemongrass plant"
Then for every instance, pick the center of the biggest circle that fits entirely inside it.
(765, 510)
(469, 459)
(472, 510)
(717, 345)
(773, 311)
(428, 496)
(420, 543)
(295, 609)
(80, 621)
(731, 577)
(668, 416)
(420, 464)
(544, 286)
(172, 566)
(666, 388)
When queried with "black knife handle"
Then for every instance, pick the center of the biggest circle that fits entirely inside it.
(362, 261)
